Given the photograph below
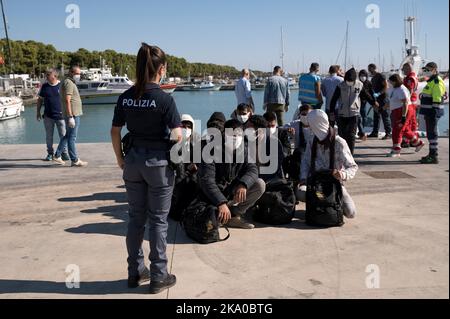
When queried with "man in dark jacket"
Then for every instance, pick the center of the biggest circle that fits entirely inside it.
(232, 187)
(349, 94)
(380, 87)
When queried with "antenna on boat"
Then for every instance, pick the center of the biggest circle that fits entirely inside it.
(8, 46)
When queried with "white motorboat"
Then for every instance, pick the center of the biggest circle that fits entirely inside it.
(202, 86)
(293, 85)
(119, 82)
(10, 107)
(98, 92)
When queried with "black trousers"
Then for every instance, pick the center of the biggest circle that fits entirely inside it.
(347, 127)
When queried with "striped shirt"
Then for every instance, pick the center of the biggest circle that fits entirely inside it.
(307, 88)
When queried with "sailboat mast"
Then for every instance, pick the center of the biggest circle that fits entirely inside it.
(8, 45)
(379, 53)
(282, 49)
(346, 46)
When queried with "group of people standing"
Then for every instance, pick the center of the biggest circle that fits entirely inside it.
(62, 109)
(395, 101)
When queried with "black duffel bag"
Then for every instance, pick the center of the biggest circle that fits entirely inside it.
(324, 200)
(277, 205)
(201, 224)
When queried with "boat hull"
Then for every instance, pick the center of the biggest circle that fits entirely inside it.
(100, 99)
(215, 88)
(10, 111)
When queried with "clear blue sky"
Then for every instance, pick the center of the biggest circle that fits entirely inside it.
(233, 32)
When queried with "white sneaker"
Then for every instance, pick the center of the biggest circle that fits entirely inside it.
(59, 161)
(393, 154)
(420, 146)
(79, 163)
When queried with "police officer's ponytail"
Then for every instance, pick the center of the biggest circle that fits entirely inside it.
(148, 62)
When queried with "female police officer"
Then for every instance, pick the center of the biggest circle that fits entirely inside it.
(151, 117)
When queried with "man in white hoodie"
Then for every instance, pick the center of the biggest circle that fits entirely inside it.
(344, 164)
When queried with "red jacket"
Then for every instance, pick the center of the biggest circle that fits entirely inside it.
(412, 83)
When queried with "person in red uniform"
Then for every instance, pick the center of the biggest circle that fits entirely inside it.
(399, 102)
(411, 82)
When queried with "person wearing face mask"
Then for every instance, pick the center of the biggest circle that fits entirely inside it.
(302, 134)
(411, 82)
(380, 86)
(282, 134)
(399, 102)
(242, 113)
(362, 120)
(72, 110)
(345, 167)
(300, 126)
(259, 125)
(432, 108)
(231, 187)
(215, 122)
(154, 124)
(349, 95)
(186, 183)
(310, 87)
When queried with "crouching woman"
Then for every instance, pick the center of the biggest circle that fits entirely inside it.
(345, 167)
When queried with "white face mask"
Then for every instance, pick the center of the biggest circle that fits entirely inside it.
(233, 143)
(363, 78)
(243, 118)
(350, 83)
(186, 132)
(77, 77)
(428, 74)
(304, 120)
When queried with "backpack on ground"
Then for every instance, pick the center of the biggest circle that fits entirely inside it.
(277, 204)
(201, 224)
(184, 192)
(324, 204)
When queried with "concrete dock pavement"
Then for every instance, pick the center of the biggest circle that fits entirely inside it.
(52, 217)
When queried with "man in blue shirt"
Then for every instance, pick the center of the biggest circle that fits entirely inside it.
(330, 84)
(310, 88)
(243, 90)
(49, 96)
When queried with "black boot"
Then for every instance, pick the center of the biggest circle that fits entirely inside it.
(136, 281)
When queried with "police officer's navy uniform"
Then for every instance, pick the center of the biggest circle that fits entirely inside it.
(148, 178)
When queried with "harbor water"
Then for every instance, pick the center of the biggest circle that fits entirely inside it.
(96, 122)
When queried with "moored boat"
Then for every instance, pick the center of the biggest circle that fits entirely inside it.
(10, 107)
(202, 86)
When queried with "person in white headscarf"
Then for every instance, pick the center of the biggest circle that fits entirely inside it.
(345, 167)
